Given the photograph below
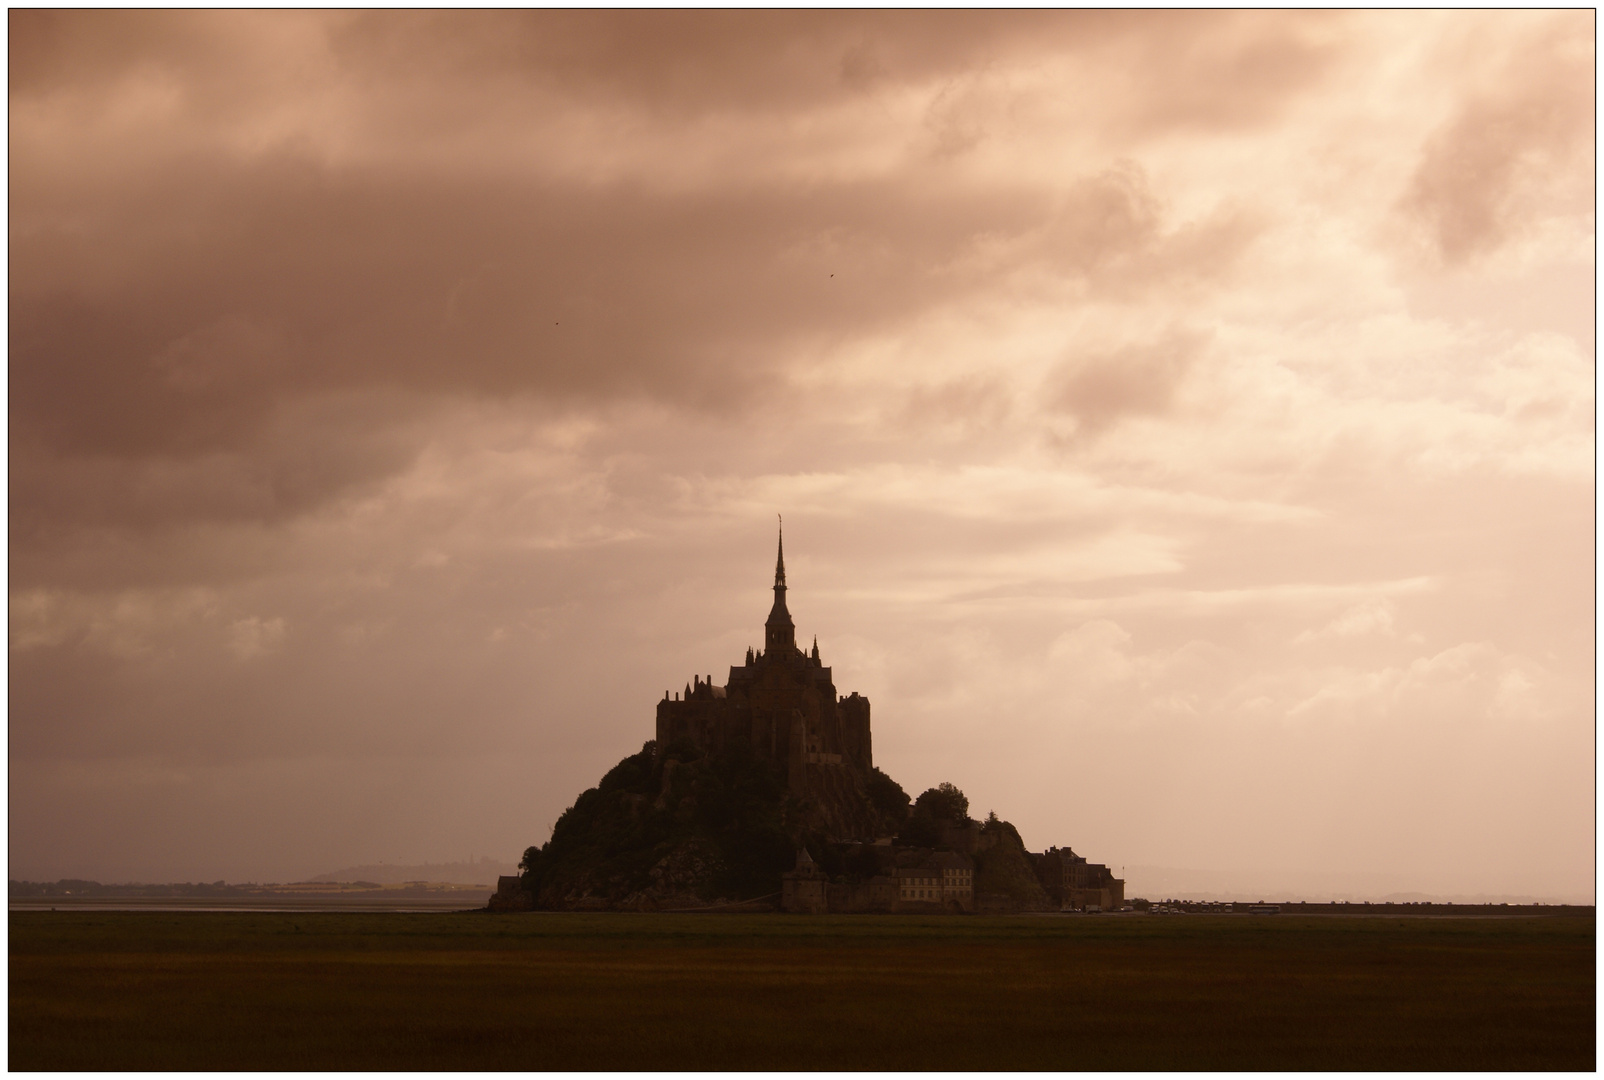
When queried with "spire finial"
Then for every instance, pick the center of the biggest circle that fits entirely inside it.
(779, 632)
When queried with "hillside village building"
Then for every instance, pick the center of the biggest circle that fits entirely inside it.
(946, 878)
(942, 881)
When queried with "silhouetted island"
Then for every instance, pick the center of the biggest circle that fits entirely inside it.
(763, 792)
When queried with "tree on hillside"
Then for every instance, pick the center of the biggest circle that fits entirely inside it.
(934, 810)
(943, 803)
(888, 797)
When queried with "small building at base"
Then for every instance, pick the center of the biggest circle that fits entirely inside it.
(802, 890)
(943, 881)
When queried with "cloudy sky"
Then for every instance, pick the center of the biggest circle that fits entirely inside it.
(1183, 425)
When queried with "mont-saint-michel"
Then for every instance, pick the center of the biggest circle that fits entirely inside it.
(763, 793)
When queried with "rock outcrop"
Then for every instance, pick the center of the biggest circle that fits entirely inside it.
(743, 776)
(675, 828)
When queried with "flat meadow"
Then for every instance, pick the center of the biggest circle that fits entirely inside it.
(345, 990)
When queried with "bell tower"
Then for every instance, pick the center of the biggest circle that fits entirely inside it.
(779, 633)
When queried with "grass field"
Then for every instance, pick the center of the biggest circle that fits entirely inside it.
(189, 990)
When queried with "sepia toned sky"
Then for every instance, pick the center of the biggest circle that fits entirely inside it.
(1183, 424)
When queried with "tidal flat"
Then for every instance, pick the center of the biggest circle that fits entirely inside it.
(346, 990)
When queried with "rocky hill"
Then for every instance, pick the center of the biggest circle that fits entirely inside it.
(678, 829)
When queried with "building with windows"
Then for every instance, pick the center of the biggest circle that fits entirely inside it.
(945, 878)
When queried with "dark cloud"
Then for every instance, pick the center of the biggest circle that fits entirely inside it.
(1102, 388)
(1197, 67)
(171, 319)
(1110, 233)
(1103, 218)
(299, 457)
(167, 296)
(480, 63)
(55, 51)
(169, 383)
(970, 402)
(250, 288)
(1475, 185)
(674, 61)
(1224, 71)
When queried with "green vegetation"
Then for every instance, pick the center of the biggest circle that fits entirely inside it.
(680, 828)
(680, 823)
(887, 797)
(944, 803)
(628, 991)
(676, 828)
(936, 809)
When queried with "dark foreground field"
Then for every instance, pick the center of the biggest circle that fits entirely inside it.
(143, 990)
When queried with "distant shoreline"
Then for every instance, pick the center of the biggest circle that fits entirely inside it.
(469, 899)
(294, 896)
(368, 901)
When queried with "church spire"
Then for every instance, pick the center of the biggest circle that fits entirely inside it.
(779, 632)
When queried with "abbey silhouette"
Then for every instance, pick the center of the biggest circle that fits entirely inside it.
(781, 706)
(765, 788)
